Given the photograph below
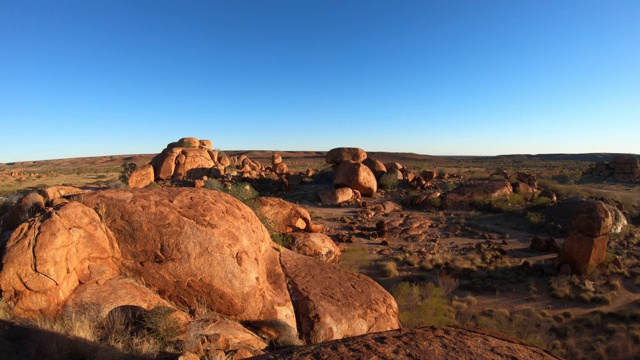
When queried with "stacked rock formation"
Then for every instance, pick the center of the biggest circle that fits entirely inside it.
(195, 161)
(186, 159)
(586, 245)
(621, 168)
(350, 171)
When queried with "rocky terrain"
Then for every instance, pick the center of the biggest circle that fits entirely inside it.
(199, 253)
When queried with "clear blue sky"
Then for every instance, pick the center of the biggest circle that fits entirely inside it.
(85, 78)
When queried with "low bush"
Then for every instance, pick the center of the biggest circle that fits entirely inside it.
(423, 305)
(355, 259)
(389, 269)
(389, 182)
(127, 169)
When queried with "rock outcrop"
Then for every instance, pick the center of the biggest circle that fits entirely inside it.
(621, 168)
(332, 303)
(561, 214)
(338, 155)
(586, 245)
(178, 240)
(376, 166)
(355, 176)
(433, 342)
(335, 196)
(47, 258)
(464, 196)
(285, 216)
(316, 245)
(184, 160)
(141, 177)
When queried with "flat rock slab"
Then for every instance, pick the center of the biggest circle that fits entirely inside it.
(434, 342)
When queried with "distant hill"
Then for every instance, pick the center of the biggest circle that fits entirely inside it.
(590, 157)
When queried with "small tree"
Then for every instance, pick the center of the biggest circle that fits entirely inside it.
(127, 169)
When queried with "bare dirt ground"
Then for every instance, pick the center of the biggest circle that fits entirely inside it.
(479, 262)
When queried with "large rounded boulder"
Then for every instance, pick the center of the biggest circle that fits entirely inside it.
(47, 258)
(284, 216)
(338, 155)
(355, 176)
(186, 159)
(197, 246)
(333, 303)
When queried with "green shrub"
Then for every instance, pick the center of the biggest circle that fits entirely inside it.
(127, 169)
(540, 202)
(355, 259)
(389, 182)
(509, 203)
(423, 304)
(535, 218)
(243, 191)
(284, 240)
(389, 269)
(214, 184)
(161, 323)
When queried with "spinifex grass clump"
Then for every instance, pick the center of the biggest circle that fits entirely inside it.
(355, 259)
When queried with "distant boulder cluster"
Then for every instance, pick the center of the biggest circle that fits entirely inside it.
(356, 174)
(193, 160)
(621, 168)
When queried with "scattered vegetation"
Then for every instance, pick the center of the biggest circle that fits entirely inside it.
(423, 304)
(389, 269)
(389, 182)
(355, 259)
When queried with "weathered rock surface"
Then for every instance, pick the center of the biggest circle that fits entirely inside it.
(190, 161)
(198, 245)
(465, 195)
(96, 300)
(206, 144)
(412, 228)
(55, 192)
(582, 252)
(592, 218)
(376, 166)
(281, 168)
(562, 213)
(335, 196)
(333, 303)
(586, 245)
(189, 142)
(316, 245)
(276, 159)
(47, 259)
(285, 216)
(356, 176)
(433, 342)
(141, 177)
(223, 335)
(338, 155)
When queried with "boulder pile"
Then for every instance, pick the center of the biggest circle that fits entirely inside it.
(185, 249)
(355, 174)
(194, 161)
(622, 168)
